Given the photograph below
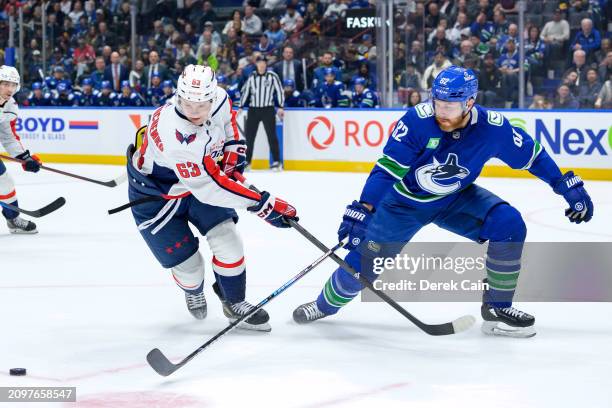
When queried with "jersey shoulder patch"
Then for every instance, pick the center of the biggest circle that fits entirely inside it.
(424, 110)
(495, 118)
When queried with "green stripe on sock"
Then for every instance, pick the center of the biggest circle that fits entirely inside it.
(332, 297)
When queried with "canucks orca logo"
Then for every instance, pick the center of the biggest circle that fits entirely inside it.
(429, 175)
(185, 138)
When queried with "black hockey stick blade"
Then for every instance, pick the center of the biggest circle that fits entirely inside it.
(160, 363)
(41, 212)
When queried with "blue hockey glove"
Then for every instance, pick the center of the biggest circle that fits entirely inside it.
(354, 223)
(571, 188)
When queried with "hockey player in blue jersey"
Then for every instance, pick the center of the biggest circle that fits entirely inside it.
(426, 175)
(87, 95)
(155, 91)
(106, 96)
(330, 94)
(128, 97)
(64, 95)
(363, 97)
(293, 97)
(233, 90)
(168, 88)
(38, 97)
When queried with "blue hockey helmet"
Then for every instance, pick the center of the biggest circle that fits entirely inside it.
(106, 85)
(455, 84)
(125, 84)
(221, 79)
(328, 71)
(36, 85)
(86, 81)
(168, 84)
(289, 82)
(360, 81)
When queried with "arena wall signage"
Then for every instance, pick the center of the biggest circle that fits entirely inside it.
(352, 140)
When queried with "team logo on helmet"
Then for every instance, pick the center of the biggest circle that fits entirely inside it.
(429, 176)
(185, 138)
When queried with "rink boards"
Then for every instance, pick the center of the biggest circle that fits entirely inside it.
(316, 140)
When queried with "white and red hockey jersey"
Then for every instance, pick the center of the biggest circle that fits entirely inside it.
(8, 136)
(178, 158)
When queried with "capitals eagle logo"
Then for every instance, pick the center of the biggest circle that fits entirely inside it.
(185, 138)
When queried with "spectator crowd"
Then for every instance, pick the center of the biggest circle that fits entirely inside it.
(568, 58)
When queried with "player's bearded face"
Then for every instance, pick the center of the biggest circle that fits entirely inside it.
(197, 112)
(448, 113)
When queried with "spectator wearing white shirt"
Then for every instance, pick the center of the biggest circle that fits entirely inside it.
(251, 23)
(334, 10)
(289, 20)
(76, 13)
(556, 32)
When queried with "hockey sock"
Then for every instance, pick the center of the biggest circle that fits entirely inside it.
(233, 288)
(503, 269)
(8, 213)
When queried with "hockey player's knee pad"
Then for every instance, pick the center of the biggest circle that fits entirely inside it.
(503, 223)
(7, 188)
(189, 275)
(226, 246)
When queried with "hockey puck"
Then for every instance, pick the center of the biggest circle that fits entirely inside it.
(17, 371)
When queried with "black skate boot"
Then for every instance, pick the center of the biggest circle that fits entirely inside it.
(196, 304)
(307, 313)
(234, 311)
(505, 321)
(20, 226)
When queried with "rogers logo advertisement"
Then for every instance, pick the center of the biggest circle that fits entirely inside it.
(321, 133)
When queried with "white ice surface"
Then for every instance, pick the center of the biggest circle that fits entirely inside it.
(82, 303)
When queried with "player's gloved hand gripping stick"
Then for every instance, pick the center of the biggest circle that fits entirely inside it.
(458, 325)
(31, 163)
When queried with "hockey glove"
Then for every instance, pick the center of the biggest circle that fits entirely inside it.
(571, 188)
(32, 163)
(274, 210)
(354, 223)
(234, 157)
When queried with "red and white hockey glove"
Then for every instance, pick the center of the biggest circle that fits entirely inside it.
(31, 162)
(274, 210)
(234, 157)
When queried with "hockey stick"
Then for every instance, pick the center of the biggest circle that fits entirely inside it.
(41, 212)
(160, 363)
(458, 325)
(112, 183)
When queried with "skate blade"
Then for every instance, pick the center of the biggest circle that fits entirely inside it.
(502, 329)
(253, 327)
(198, 315)
(18, 231)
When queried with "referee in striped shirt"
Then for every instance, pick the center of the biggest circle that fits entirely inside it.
(260, 92)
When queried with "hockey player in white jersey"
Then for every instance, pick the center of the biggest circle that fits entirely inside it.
(189, 153)
(9, 85)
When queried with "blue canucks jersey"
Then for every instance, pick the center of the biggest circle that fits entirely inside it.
(64, 99)
(424, 165)
(153, 94)
(366, 99)
(86, 99)
(105, 100)
(295, 100)
(234, 94)
(165, 99)
(44, 100)
(133, 99)
(331, 95)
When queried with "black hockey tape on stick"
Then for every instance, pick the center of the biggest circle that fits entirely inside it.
(134, 203)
